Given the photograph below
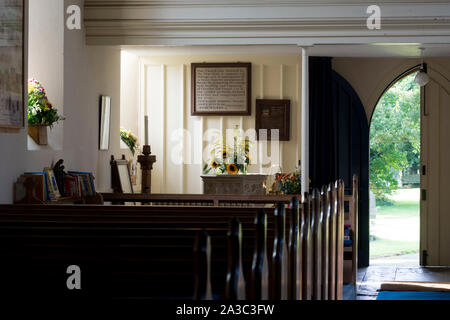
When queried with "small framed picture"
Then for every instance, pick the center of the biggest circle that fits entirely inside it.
(272, 115)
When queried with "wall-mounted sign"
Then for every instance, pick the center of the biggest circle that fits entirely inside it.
(272, 115)
(221, 89)
(12, 80)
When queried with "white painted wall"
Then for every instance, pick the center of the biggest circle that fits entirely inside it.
(370, 76)
(88, 73)
(46, 60)
(166, 84)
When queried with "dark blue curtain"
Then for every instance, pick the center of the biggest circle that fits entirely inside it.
(322, 124)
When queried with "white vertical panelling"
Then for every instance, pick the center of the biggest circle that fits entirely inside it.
(261, 96)
(221, 126)
(163, 128)
(143, 108)
(305, 122)
(162, 76)
(183, 127)
(202, 129)
(298, 131)
(281, 144)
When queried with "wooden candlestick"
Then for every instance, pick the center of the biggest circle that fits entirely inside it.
(146, 160)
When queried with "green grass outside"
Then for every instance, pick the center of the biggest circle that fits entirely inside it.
(396, 228)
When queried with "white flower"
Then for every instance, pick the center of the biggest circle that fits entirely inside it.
(33, 111)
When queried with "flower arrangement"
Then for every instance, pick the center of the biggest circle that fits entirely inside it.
(40, 110)
(129, 139)
(229, 159)
(289, 183)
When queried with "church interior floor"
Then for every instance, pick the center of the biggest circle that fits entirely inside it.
(400, 268)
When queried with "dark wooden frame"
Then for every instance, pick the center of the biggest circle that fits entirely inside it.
(115, 175)
(246, 65)
(285, 131)
(12, 128)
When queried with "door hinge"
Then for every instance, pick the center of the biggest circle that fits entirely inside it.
(424, 170)
(424, 257)
(424, 194)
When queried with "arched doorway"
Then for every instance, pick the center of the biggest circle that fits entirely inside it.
(394, 167)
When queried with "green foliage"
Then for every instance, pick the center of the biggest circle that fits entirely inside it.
(289, 183)
(394, 136)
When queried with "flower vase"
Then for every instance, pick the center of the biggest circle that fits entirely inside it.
(39, 134)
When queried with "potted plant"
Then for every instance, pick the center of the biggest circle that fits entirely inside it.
(41, 113)
(289, 183)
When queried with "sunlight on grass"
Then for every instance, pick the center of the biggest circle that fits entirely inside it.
(395, 230)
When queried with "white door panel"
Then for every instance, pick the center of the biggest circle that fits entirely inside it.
(435, 155)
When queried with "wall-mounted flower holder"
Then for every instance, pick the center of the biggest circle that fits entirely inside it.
(38, 134)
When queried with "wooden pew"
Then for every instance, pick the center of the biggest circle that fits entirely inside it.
(316, 229)
(202, 267)
(259, 288)
(127, 215)
(293, 245)
(351, 219)
(278, 289)
(113, 262)
(325, 209)
(307, 249)
(332, 242)
(235, 283)
(197, 199)
(339, 186)
(295, 253)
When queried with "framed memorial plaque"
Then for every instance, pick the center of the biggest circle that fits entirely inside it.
(221, 89)
(270, 115)
(12, 79)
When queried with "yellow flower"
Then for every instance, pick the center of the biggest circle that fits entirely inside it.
(232, 168)
(31, 87)
(214, 163)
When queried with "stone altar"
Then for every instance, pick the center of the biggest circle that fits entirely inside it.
(244, 184)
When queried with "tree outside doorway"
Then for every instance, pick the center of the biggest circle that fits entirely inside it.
(394, 171)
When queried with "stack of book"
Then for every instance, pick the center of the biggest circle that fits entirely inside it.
(44, 186)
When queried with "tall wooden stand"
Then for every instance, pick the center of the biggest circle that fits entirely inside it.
(146, 160)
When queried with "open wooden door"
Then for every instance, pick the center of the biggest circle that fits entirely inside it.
(435, 172)
(352, 141)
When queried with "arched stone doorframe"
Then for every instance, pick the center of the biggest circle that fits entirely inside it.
(394, 75)
(438, 73)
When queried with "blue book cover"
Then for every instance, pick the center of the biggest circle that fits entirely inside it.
(47, 196)
(91, 180)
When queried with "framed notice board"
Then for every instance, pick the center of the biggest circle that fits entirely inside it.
(271, 115)
(12, 65)
(221, 89)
